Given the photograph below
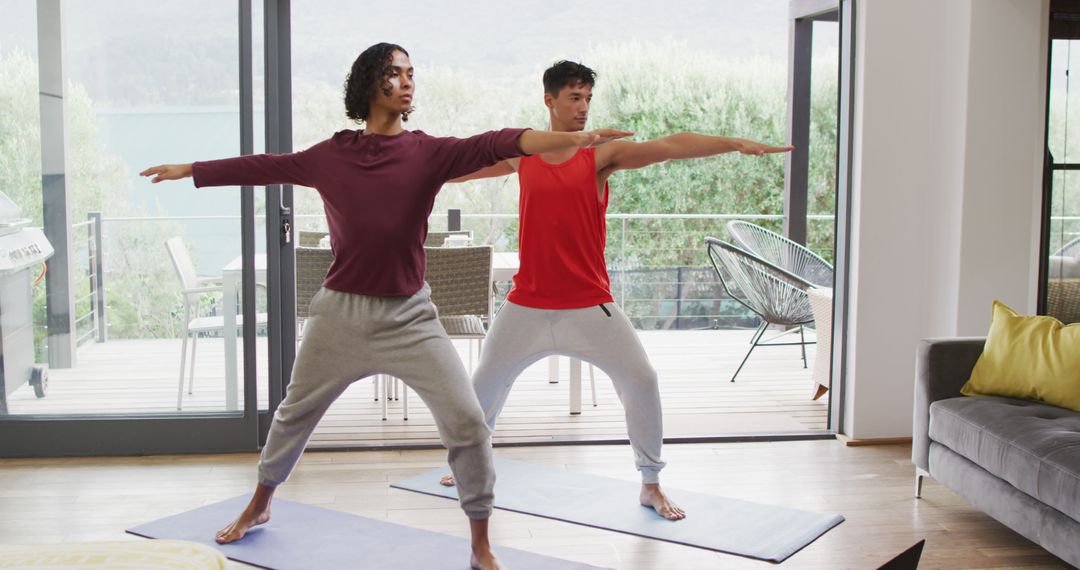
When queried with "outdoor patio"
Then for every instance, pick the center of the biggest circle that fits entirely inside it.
(771, 394)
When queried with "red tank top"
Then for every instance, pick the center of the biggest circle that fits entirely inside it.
(561, 236)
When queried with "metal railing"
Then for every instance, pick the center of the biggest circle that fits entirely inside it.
(679, 293)
(89, 301)
(657, 263)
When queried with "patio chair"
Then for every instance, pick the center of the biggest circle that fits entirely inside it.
(782, 252)
(460, 280)
(436, 239)
(1063, 283)
(1070, 249)
(775, 295)
(307, 238)
(312, 263)
(192, 291)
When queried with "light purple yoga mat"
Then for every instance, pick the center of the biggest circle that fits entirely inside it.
(301, 536)
(724, 524)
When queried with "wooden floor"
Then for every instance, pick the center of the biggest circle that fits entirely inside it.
(771, 394)
(70, 500)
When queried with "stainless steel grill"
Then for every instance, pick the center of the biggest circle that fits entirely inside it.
(23, 250)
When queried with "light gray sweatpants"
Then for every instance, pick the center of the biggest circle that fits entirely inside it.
(603, 336)
(348, 337)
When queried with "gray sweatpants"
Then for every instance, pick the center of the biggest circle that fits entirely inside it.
(349, 337)
(520, 336)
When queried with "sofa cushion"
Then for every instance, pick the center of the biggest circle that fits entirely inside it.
(1034, 358)
(1033, 446)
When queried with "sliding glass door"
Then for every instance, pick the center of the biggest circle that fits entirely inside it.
(135, 316)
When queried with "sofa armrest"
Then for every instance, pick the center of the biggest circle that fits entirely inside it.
(942, 366)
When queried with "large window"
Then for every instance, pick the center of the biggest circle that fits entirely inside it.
(713, 67)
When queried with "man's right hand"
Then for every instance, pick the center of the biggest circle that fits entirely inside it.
(167, 172)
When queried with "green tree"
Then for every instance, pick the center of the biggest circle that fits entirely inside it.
(655, 90)
(137, 306)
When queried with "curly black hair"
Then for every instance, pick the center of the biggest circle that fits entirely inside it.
(567, 73)
(368, 72)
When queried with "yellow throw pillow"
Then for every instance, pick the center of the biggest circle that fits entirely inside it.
(1032, 358)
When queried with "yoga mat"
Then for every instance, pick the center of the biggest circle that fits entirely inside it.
(301, 536)
(734, 526)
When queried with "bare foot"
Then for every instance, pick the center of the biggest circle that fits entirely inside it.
(447, 480)
(256, 513)
(652, 496)
(484, 561)
(482, 556)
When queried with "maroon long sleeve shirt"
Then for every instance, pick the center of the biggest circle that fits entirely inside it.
(378, 192)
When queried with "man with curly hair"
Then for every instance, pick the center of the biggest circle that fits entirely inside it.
(561, 300)
(374, 313)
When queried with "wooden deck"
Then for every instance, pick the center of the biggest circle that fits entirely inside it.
(771, 394)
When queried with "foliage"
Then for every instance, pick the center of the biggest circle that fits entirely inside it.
(96, 182)
(655, 90)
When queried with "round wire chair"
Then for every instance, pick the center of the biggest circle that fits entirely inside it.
(1070, 249)
(782, 252)
(774, 294)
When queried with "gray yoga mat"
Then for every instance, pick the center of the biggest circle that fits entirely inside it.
(301, 536)
(734, 526)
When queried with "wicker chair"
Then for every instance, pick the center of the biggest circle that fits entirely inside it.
(777, 296)
(312, 263)
(1063, 299)
(782, 252)
(436, 239)
(460, 280)
(1063, 283)
(305, 238)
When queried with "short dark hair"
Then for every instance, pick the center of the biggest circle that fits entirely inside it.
(369, 72)
(567, 73)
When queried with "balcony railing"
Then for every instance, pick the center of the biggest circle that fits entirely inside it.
(657, 263)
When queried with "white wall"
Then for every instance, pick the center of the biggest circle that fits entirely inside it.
(947, 172)
(1003, 168)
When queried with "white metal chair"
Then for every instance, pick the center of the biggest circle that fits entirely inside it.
(192, 291)
(553, 377)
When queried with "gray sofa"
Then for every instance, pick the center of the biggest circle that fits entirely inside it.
(1018, 461)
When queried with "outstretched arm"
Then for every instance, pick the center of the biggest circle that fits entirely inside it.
(501, 168)
(624, 155)
(536, 142)
(460, 159)
(250, 170)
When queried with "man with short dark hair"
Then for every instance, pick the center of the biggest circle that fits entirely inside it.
(561, 300)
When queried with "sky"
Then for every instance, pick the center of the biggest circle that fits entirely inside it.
(111, 44)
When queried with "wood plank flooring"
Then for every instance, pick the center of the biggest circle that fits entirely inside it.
(67, 500)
